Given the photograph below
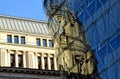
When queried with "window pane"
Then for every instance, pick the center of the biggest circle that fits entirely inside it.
(45, 42)
(39, 62)
(22, 40)
(52, 63)
(50, 43)
(20, 60)
(45, 62)
(12, 60)
(16, 40)
(9, 38)
(38, 42)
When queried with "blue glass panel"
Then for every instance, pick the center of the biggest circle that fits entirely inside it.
(103, 1)
(50, 43)
(115, 42)
(16, 40)
(38, 42)
(98, 5)
(9, 38)
(22, 40)
(102, 52)
(91, 8)
(81, 16)
(45, 42)
(86, 15)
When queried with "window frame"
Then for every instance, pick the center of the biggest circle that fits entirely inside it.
(9, 38)
(38, 42)
(20, 61)
(39, 61)
(21, 37)
(44, 42)
(52, 63)
(16, 41)
(12, 60)
(51, 43)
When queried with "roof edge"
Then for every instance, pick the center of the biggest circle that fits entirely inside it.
(22, 18)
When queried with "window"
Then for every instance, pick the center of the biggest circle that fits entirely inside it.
(20, 60)
(50, 43)
(16, 39)
(39, 62)
(45, 62)
(9, 38)
(22, 40)
(45, 42)
(12, 60)
(52, 63)
(38, 42)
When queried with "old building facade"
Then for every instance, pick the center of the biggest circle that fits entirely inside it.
(26, 43)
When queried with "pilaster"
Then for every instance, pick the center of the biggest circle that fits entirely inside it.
(49, 64)
(16, 58)
(24, 59)
(42, 59)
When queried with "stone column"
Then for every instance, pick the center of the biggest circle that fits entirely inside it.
(41, 42)
(55, 62)
(19, 39)
(8, 52)
(36, 61)
(42, 59)
(47, 42)
(49, 64)
(24, 59)
(12, 39)
(16, 58)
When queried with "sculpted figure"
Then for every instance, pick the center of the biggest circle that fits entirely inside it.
(72, 49)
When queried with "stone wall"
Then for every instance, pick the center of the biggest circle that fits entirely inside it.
(15, 73)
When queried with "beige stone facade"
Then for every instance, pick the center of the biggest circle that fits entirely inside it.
(26, 43)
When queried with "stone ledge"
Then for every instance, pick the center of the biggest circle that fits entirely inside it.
(30, 71)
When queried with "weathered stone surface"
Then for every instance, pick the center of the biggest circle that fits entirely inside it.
(17, 73)
(72, 48)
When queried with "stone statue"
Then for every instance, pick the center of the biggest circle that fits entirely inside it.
(72, 48)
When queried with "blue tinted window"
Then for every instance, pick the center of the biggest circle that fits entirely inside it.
(22, 40)
(45, 42)
(50, 43)
(9, 38)
(38, 42)
(16, 39)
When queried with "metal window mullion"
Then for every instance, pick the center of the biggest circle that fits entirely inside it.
(112, 50)
(100, 2)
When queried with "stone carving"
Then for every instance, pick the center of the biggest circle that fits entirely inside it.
(72, 48)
